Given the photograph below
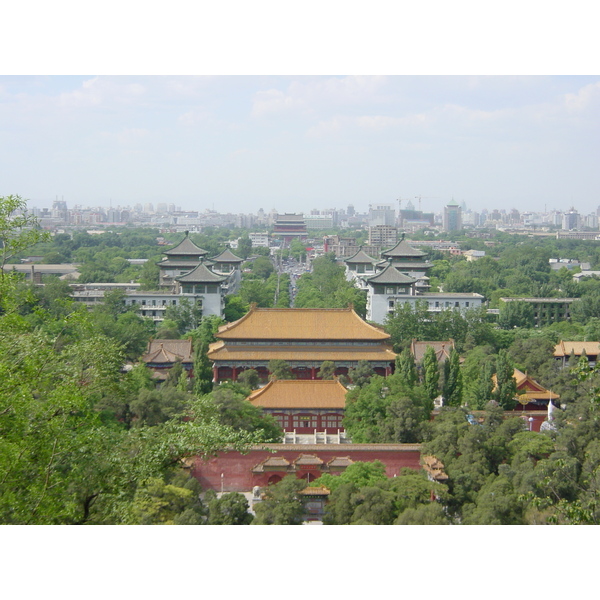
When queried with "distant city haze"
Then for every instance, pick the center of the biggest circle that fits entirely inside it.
(237, 144)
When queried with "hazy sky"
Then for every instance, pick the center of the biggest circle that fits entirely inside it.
(240, 143)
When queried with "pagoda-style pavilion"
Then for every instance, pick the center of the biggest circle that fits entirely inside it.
(303, 406)
(409, 261)
(180, 260)
(163, 354)
(303, 337)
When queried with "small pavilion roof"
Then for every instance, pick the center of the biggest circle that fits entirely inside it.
(442, 349)
(278, 462)
(292, 393)
(186, 248)
(361, 257)
(402, 248)
(308, 459)
(227, 256)
(168, 351)
(201, 274)
(333, 324)
(390, 275)
(529, 388)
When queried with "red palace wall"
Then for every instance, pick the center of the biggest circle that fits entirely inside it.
(237, 468)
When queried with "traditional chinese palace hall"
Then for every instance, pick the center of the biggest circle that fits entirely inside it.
(304, 338)
(303, 406)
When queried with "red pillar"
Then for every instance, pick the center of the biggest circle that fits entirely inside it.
(234, 373)
(313, 373)
(215, 374)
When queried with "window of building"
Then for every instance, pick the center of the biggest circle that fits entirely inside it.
(305, 421)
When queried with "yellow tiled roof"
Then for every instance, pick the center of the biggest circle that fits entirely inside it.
(301, 324)
(538, 393)
(292, 393)
(315, 491)
(565, 348)
(221, 351)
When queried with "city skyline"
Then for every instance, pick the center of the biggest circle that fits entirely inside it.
(293, 143)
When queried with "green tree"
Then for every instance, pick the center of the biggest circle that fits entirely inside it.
(453, 384)
(516, 314)
(485, 386)
(160, 503)
(279, 369)
(506, 386)
(203, 374)
(229, 509)
(244, 248)
(281, 504)
(431, 373)
(159, 405)
(249, 378)
(18, 229)
(235, 308)
(233, 410)
(361, 374)
(327, 370)
(406, 367)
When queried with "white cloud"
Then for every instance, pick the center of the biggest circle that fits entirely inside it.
(312, 95)
(102, 90)
(587, 96)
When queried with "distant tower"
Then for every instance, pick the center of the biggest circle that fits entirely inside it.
(571, 220)
(452, 216)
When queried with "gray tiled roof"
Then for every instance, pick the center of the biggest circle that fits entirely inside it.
(186, 248)
(390, 275)
(403, 249)
(201, 274)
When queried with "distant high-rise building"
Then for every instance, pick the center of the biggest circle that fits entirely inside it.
(591, 221)
(571, 220)
(452, 216)
(382, 214)
(383, 236)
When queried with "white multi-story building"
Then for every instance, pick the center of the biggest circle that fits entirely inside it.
(401, 278)
(259, 240)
